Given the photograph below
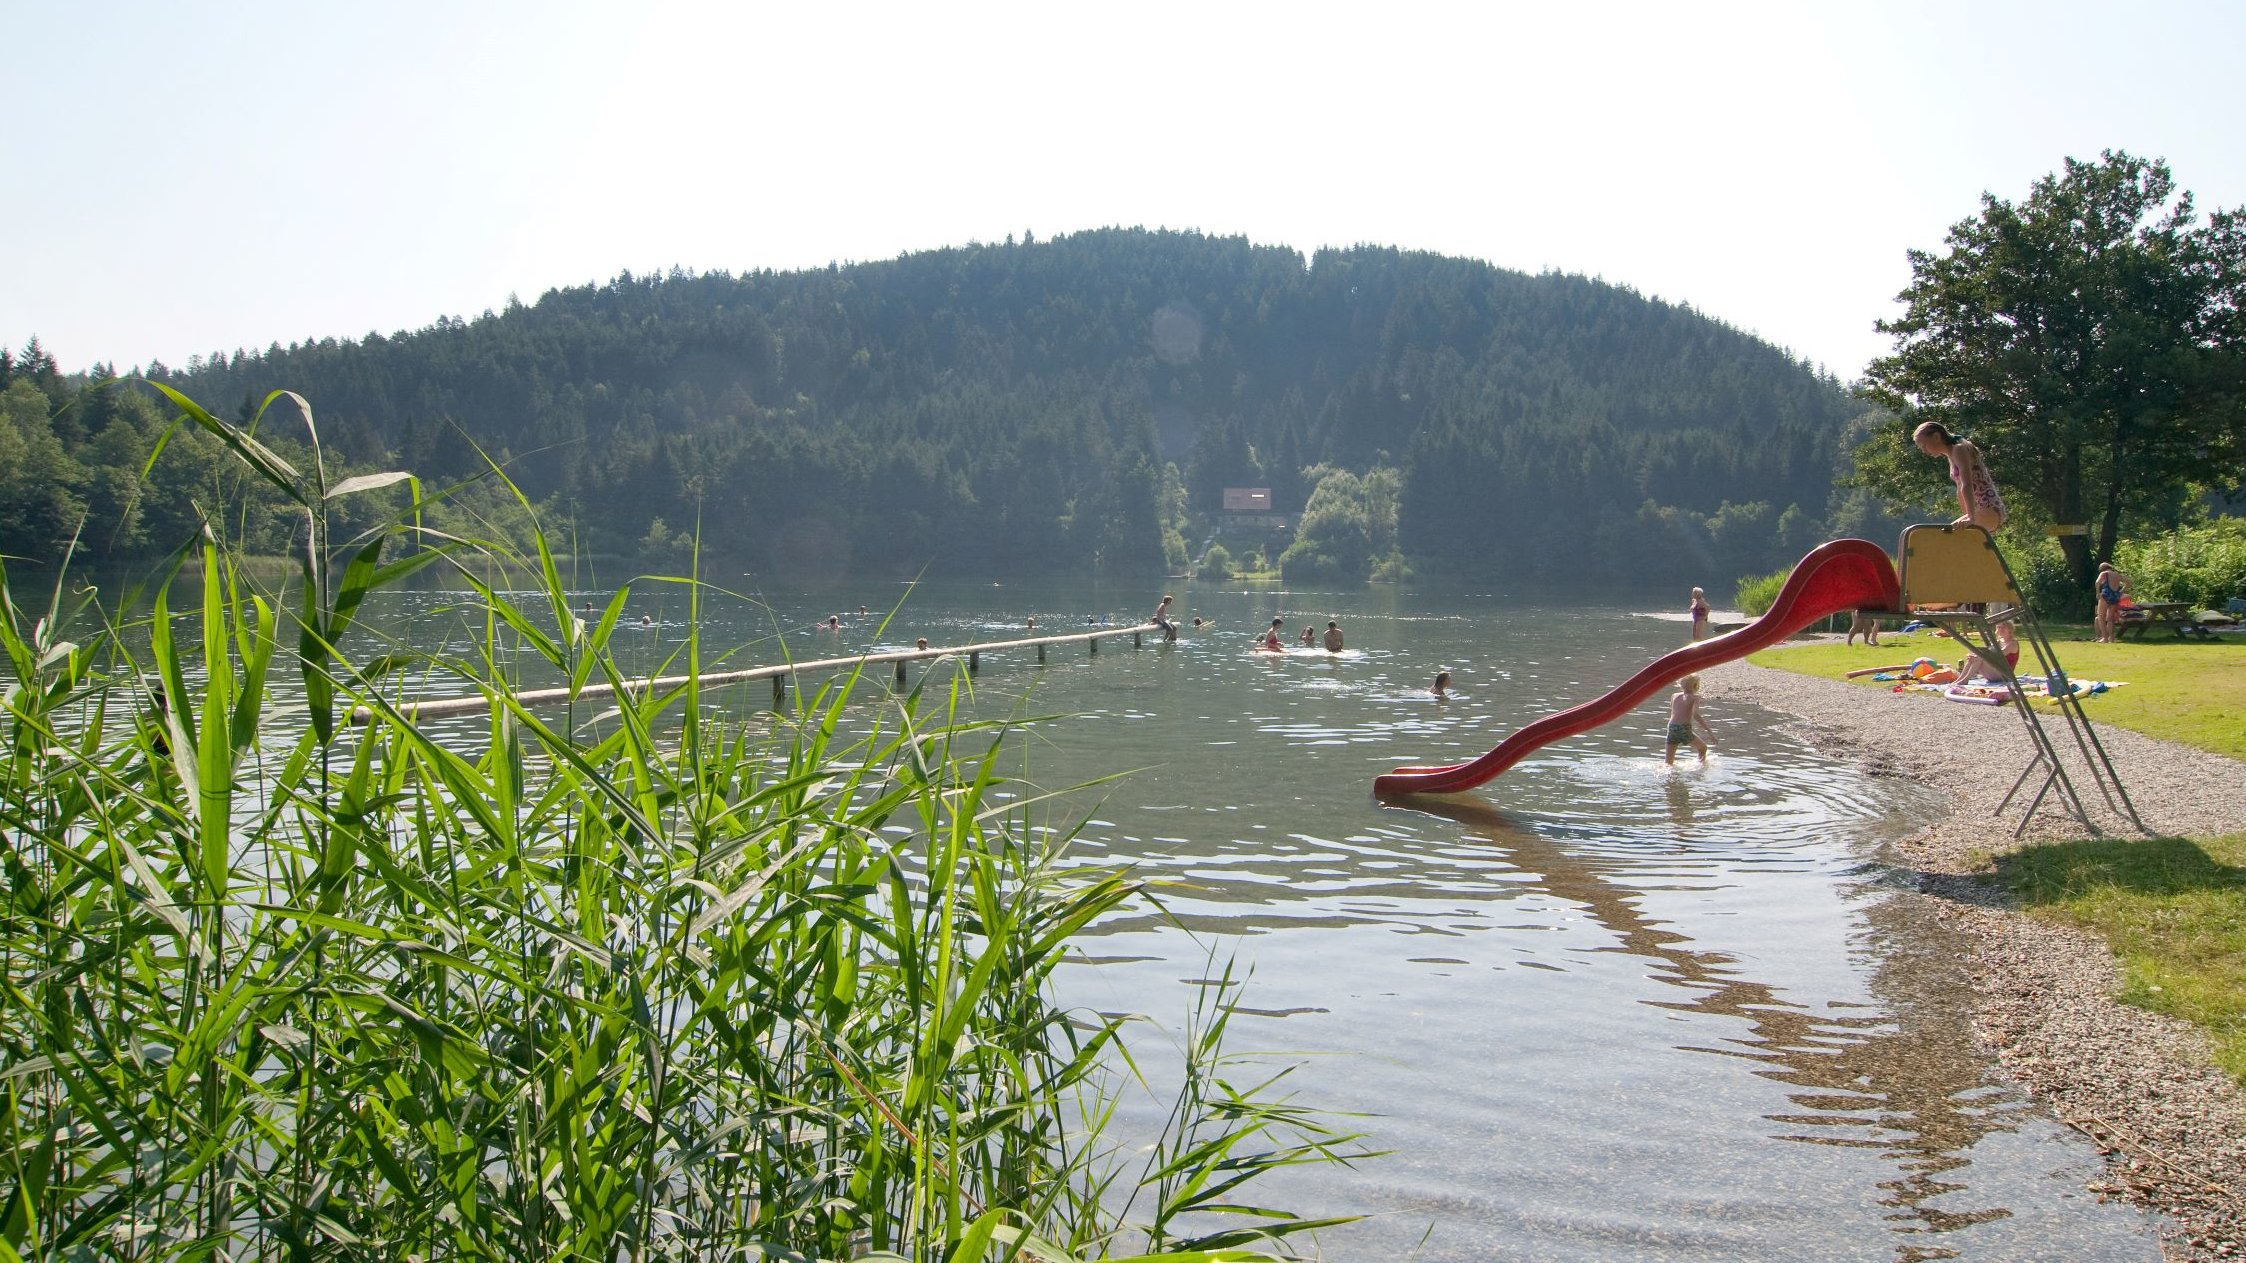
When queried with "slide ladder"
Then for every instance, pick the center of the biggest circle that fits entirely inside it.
(1958, 572)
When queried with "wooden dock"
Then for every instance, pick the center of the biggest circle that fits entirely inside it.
(778, 673)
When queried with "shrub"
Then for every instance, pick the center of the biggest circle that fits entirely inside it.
(1756, 595)
(2040, 571)
(2199, 565)
(1217, 564)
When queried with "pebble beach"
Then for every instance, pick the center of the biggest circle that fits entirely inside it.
(2140, 1084)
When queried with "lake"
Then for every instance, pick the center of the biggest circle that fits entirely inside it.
(1599, 1009)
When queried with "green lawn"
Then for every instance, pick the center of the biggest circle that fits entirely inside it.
(2182, 691)
(2173, 910)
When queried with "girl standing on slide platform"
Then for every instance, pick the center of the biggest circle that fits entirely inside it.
(1977, 500)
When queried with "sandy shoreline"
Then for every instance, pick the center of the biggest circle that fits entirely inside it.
(2141, 1084)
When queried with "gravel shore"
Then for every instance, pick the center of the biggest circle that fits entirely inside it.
(2140, 1084)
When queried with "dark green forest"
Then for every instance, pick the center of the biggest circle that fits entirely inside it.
(1026, 407)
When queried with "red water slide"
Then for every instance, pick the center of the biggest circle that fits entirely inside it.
(1843, 574)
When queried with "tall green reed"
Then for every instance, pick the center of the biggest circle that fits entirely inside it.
(640, 983)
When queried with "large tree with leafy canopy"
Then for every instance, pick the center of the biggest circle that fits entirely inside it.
(2090, 340)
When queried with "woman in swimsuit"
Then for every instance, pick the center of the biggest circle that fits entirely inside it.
(1270, 642)
(2112, 586)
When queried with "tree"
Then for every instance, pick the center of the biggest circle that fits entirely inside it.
(2089, 340)
(40, 508)
(1348, 527)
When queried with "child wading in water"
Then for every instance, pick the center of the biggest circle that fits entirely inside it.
(1686, 723)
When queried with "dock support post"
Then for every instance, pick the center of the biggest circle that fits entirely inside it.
(1135, 641)
(900, 673)
(1041, 651)
(779, 690)
(1095, 643)
(974, 661)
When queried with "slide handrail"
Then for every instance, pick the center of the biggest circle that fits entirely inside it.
(1842, 574)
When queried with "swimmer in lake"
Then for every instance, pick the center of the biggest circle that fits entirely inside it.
(1442, 686)
(1270, 642)
(1333, 636)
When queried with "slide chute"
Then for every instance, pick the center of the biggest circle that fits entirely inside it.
(1844, 574)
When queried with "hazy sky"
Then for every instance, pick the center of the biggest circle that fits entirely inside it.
(187, 178)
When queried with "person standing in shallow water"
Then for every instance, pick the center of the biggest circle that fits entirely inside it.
(1699, 614)
(1686, 723)
(1333, 636)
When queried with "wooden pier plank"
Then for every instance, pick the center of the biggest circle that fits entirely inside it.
(437, 708)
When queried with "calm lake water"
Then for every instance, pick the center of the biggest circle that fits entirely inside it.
(1599, 1009)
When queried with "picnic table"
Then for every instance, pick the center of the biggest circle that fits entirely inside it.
(2144, 614)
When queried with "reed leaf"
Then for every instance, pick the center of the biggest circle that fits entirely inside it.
(658, 985)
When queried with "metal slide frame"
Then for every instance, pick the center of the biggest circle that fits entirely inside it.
(1960, 566)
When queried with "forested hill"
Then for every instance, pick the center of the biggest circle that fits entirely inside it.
(1022, 407)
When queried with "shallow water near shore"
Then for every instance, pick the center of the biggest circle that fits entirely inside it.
(1602, 1008)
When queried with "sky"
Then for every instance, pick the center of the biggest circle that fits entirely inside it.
(181, 179)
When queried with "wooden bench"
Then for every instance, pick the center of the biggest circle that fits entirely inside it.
(2176, 614)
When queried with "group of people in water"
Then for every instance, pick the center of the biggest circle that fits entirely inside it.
(1272, 641)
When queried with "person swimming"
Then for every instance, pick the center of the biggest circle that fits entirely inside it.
(1270, 642)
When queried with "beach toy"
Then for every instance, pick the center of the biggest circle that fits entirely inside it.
(1922, 668)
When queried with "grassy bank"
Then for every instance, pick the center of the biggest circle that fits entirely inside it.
(633, 981)
(2173, 910)
(2182, 691)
